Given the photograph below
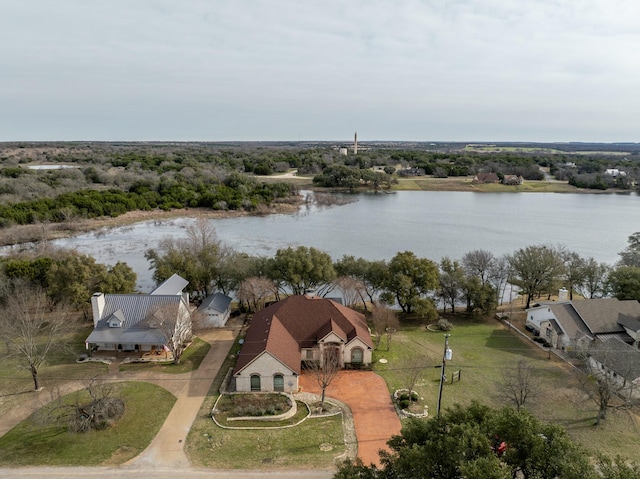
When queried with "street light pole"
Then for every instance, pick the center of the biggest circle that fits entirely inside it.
(445, 357)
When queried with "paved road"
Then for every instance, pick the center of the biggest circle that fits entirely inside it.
(164, 473)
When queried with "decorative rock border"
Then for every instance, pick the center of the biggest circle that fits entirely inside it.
(403, 413)
(261, 418)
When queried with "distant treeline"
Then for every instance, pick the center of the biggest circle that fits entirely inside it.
(149, 168)
(236, 192)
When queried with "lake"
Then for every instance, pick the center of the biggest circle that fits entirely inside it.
(377, 226)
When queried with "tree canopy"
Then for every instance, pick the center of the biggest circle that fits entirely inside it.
(409, 280)
(536, 270)
(478, 442)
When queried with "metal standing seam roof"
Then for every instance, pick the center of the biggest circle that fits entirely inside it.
(134, 310)
(172, 285)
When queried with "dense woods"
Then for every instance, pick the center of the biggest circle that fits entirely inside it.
(111, 178)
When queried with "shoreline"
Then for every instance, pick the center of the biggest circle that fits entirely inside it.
(32, 234)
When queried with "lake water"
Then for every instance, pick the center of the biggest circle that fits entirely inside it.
(377, 226)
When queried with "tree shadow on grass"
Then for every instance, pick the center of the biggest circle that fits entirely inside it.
(500, 340)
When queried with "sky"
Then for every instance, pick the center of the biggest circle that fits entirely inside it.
(298, 70)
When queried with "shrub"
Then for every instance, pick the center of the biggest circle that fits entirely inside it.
(444, 325)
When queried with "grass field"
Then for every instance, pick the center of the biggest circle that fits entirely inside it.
(482, 350)
(60, 367)
(146, 408)
(465, 184)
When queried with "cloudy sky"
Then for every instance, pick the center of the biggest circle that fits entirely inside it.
(426, 70)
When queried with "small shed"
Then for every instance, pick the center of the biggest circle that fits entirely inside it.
(215, 310)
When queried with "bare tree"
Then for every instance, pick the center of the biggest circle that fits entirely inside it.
(255, 291)
(353, 290)
(479, 263)
(95, 407)
(196, 257)
(31, 329)
(326, 369)
(173, 322)
(384, 321)
(499, 275)
(595, 279)
(519, 384)
(608, 365)
(411, 369)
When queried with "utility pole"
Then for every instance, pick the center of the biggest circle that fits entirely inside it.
(446, 356)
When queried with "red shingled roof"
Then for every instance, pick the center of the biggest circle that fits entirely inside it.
(296, 322)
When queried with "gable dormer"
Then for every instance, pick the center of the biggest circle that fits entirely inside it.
(116, 320)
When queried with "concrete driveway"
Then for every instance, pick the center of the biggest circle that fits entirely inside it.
(374, 416)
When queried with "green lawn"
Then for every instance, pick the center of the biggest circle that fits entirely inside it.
(315, 443)
(146, 408)
(482, 350)
(190, 360)
(60, 367)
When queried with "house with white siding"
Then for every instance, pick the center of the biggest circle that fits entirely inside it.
(214, 311)
(137, 322)
(578, 324)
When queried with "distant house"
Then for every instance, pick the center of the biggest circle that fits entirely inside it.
(214, 311)
(578, 324)
(620, 362)
(135, 322)
(486, 178)
(615, 172)
(410, 172)
(299, 328)
(512, 180)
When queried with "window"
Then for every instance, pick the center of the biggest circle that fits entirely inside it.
(255, 382)
(278, 382)
(309, 354)
(356, 355)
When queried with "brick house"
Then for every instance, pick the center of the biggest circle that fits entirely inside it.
(299, 328)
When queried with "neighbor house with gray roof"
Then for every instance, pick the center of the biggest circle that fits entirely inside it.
(578, 324)
(619, 363)
(139, 322)
(214, 311)
(299, 328)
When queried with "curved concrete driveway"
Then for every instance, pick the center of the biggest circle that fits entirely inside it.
(374, 416)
